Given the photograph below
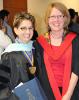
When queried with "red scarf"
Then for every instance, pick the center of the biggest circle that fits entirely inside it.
(66, 47)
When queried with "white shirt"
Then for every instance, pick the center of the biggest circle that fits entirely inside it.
(4, 41)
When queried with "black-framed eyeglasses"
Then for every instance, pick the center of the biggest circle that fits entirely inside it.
(56, 16)
(25, 28)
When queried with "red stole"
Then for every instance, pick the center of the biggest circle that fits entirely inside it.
(66, 47)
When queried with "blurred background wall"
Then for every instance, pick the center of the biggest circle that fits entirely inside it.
(38, 8)
(1, 4)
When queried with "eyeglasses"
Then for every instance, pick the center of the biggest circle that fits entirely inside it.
(54, 17)
(25, 28)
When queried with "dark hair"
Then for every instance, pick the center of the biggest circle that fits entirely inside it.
(19, 17)
(76, 13)
(72, 13)
(4, 13)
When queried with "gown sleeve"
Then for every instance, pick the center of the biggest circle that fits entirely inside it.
(5, 92)
(4, 76)
(16, 62)
(75, 56)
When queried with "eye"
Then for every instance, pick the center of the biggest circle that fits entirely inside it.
(56, 16)
(60, 16)
(30, 28)
(52, 17)
(25, 28)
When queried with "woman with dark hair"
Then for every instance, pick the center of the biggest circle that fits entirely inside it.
(73, 25)
(18, 56)
(4, 39)
(4, 14)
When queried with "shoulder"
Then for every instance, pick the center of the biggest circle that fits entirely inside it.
(8, 48)
(75, 44)
(74, 35)
(1, 33)
(11, 56)
(4, 39)
(76, 39)
(45, 35)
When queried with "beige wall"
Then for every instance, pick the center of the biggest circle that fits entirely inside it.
(1, 4)
(38, 7)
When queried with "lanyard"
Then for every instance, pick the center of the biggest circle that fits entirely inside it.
(32, 69)
(29, 58)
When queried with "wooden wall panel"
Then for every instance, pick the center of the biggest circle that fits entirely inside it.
(14, 6)
(15, 3)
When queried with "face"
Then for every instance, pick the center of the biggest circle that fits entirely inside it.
(56, 20)
(24, 31)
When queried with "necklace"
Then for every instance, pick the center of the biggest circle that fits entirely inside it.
(56, 36)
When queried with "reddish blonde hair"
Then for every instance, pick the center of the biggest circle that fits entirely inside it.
(62, 8)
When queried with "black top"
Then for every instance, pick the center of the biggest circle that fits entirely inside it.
(35, 35)
(74, 27)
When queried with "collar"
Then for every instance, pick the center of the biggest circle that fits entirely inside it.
(65, 44)
(20, 47)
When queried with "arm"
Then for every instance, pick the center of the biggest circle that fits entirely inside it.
(72, 84)
(4, 40)
(8, 60)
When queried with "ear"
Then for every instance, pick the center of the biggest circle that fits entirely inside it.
(15, 30)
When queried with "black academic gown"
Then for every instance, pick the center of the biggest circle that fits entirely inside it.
(42, 74)
(19, 68)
